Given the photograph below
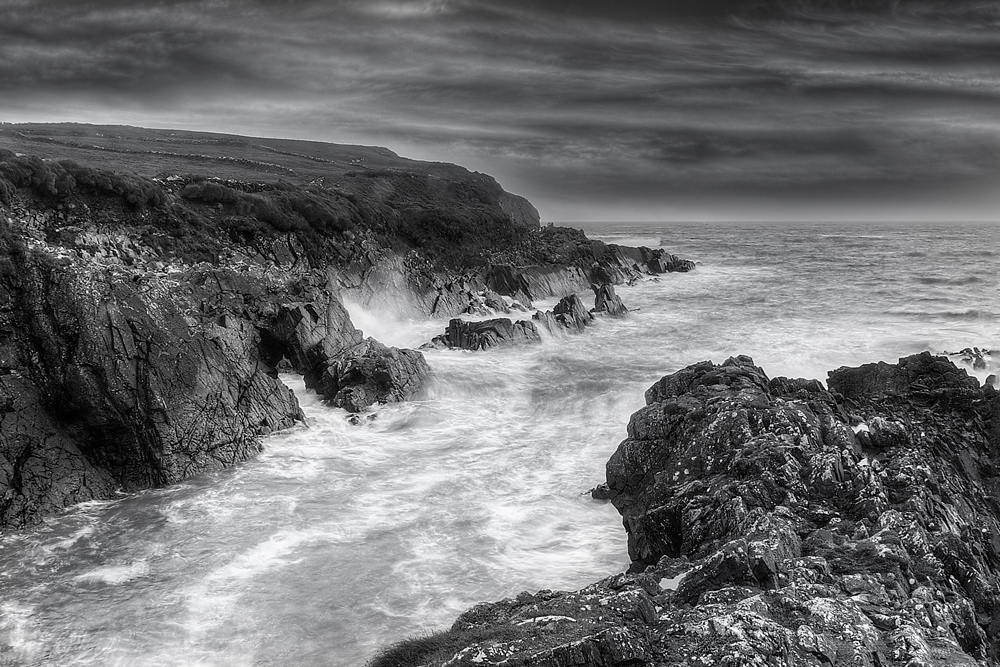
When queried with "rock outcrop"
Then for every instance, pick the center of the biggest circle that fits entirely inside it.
(775, 522)
(106, 386)
(606, 301)
(569, 315)
(486, 334)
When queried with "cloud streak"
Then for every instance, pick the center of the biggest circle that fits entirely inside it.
(624, 112)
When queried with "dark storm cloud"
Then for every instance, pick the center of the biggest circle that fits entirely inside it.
(615, 102)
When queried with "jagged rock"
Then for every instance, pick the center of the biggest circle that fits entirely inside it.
(570, 313)
(773, 522)
(606, 301)
(373, 373)
(486, 334)
(659, 260)
(973, 357)
(487, 302)
(601, 492)
(310, 336)
(105, 386)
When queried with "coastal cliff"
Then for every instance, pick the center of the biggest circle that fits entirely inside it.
(145, 314)
(777, 522)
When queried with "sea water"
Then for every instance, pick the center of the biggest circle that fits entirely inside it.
(341, 538)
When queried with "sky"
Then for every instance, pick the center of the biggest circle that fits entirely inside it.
(594, 110)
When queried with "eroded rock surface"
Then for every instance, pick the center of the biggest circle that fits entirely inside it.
(775, 522)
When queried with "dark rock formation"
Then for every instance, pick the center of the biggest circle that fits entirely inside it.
(373, 373)
(498, 332)
(974, 357)
(349, 371)
(606, 301)
(569, 314)
(486, 302)
(773, 522)
(658, 260)
(105, 385)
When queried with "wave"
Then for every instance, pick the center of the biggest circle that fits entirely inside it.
(932, 280)
(969, 314)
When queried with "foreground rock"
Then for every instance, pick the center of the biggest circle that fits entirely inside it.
(773, 522)
(107, 387)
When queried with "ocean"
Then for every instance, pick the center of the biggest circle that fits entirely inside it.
(341, 538)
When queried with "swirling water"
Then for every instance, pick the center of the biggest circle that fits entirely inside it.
(340, 538)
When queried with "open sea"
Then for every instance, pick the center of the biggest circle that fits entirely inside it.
(339, 539)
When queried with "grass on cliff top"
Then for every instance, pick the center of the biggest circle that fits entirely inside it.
(151, 152)
(450, 224)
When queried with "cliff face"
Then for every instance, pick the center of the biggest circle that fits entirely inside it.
(773, 522)
(143, 319)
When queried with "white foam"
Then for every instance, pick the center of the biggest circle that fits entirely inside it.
(115, 575)
(18, 631)
(392, 326)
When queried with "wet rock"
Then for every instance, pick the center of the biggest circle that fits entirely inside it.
(570, 313)
(486, 302)
(486, 334)
(373, 373)
(606, 301)
(600, 492)
(973, 357)
(106, 385)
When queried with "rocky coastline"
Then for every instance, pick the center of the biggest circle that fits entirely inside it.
(772, 521)
(144, 318)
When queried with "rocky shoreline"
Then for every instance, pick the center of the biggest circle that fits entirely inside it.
(143, 320)
(776, 522)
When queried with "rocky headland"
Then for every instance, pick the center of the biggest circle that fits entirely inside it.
(146, 309)
(778, 522)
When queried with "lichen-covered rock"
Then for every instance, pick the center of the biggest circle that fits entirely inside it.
(774, 522)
